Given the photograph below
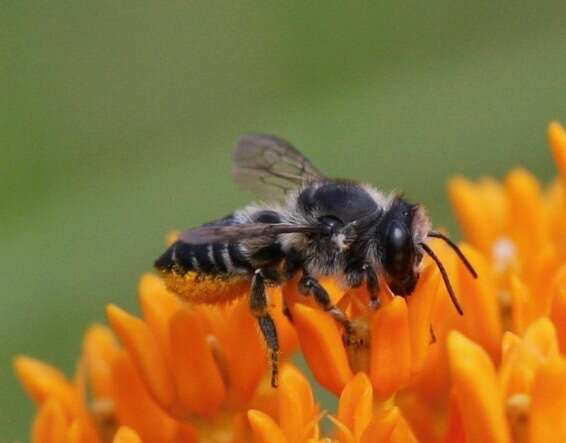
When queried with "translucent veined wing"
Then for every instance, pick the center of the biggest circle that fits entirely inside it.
(271, 166)
(227, 233)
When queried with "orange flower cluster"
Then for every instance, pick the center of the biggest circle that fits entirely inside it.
(415, 371)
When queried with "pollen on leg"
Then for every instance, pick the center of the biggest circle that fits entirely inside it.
(196, 288)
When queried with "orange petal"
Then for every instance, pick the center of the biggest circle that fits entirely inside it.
(558, 316)
(99, 348)
(541, 338)
(390, 365)
(421, 414)
(322, 346)
(557, 138)
(479, 398)
(402, 433)
(538, 271)
(382, 425)
(288, 340)
(513, 377)
(471, 213)
(264, 429)
(199, 382)
(134, 406)
(481, 312)
(526, 210)
(345, 433)
(420, 305)
(158, 305)
(126, 435)
(145, 353)
(243, 347)
(548, 408)
(79, 432)
(297, 408)
(43, 382)
(355, 409)
(455, 429)
(50, 425)
(520, 301)
(494, 202)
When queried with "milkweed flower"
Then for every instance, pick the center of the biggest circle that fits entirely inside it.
(414, 372)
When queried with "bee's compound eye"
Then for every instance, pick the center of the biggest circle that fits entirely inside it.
(398, 249)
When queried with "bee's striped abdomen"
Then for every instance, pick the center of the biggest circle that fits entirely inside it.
(209, 273)
(213, 259)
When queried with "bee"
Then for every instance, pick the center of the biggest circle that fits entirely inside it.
(313, 226)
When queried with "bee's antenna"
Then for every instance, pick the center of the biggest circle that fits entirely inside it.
(444, 274)
(456, 249)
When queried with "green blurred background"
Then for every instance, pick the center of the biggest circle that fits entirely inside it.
(118, 118)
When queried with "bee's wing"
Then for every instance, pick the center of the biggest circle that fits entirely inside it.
(271, 166)
(228, 233)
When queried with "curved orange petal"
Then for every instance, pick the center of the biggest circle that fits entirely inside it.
(198, 380)
(479, 398)
(126, 435)
(322, 346)
(297, 407)
(495, 204)
(538, 270)
(345, 433)
(455, 432)
(481, 311)
(99, 348)
(288, 339)
(134, 406)
(520, 304)
(419, 306)
(264, 428)
(145, 353)
(423, 415)
(158, 305)
(81, 433)
(471, 214)
(558, 316)
(50, 425)
(526, 210)
(512, 375)
(355, 408)
(540, 338)
(43, 382)
(381, 427)
(402, 433)
(243, 347)
(557, 138)
(390, 361)
(548, 408)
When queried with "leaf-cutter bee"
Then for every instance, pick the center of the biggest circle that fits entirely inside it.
(317, 226)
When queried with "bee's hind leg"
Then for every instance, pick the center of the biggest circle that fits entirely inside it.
(310, 286)
(259, 308)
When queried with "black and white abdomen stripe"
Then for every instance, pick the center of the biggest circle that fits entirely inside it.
(215, 259)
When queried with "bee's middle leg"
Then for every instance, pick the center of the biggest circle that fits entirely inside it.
(259, 308)
(355, 277)
(310, 286)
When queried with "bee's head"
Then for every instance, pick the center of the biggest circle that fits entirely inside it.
(403, 227)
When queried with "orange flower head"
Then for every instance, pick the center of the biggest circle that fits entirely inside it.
(411, 371)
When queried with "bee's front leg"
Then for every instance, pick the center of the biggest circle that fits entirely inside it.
(355, 277)
(310, 286)
(259, 308)
(372, 284)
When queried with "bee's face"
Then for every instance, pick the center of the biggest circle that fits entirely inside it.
(400, 256)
